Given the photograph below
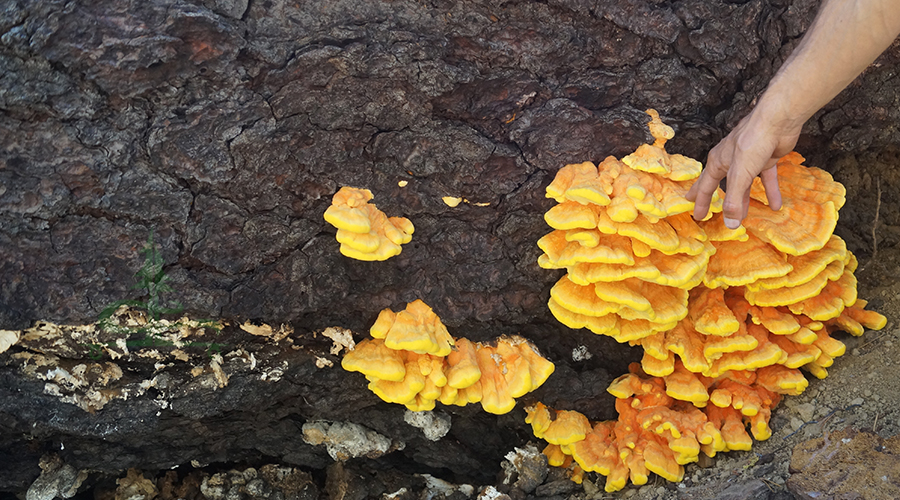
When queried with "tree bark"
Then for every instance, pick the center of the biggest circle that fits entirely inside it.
(223, 127)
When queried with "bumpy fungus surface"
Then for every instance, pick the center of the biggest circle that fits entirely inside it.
(412, 360)
(364, 232)
(624, 233)
(659, 433)
(726, 318)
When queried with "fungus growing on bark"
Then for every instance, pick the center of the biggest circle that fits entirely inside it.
(364, 232)
(726, 318)
(413, 360)
(375, 359)
(564, 428)
(802, 182)
(798, 228)
(741, 262)
(417, 328)
(805, 267)
(631, 258)
(656, 432)
(623, 232)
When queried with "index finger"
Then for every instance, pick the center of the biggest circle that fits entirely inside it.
(701, 193)
(736, 186)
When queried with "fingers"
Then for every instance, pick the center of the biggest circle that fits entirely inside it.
(746, 204)
(751, 149)
(701, 193)
(705, 186)
(769, 179)
(737, 196)
(749, 160)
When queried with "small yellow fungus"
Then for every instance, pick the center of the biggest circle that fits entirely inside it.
(452, 201)
(364, 232)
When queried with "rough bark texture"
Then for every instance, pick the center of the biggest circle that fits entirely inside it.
(225, 126)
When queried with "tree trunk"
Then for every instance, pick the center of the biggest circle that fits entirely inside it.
(223, 127)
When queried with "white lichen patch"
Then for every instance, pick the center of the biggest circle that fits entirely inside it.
(242, 355)
(323, 362)
(86, 385)
(80, 364)
(264, 330)
(269, 482)
(346, 440)
(7, 339)
(581, 353)
(127, 321)
(525, 468)
(342, 338)
(519, 457)
(151, 354)
(180, 355)
(433, 425)
(31, 362)
(215, 364)
(57, 480)
(112, 336)
(122, 345)
(91, 385)
(162, 366)
(397, 494)
(438, 488)
(490, 493)
(274, 373)
(134, 486)
(56, 339)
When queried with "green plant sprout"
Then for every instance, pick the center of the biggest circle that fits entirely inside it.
(151, 278)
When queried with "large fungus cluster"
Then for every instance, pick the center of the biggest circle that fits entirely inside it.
(624, 233)
(364, 232)
(658, 429)
(774, 295)
(726, 318)
(413, 360)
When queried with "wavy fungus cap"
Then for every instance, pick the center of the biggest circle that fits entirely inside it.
(364, 232)
(413, 360)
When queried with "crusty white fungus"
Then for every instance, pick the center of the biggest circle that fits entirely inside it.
(433, 425)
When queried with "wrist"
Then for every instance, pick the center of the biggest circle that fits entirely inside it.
(781, 110)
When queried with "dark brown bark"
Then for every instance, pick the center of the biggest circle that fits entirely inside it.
(224, 127)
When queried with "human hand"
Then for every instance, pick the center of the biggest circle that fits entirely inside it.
(750, 150)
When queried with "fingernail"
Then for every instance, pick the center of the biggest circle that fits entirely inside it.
(732, 223)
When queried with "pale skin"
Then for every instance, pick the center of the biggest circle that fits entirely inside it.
(844, 39)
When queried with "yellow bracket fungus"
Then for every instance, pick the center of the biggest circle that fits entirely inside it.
(726, 318)
(413, 360)
(660, 433)
(364, 232)
(417, 329)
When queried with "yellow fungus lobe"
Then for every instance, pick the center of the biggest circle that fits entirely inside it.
(364, 232)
